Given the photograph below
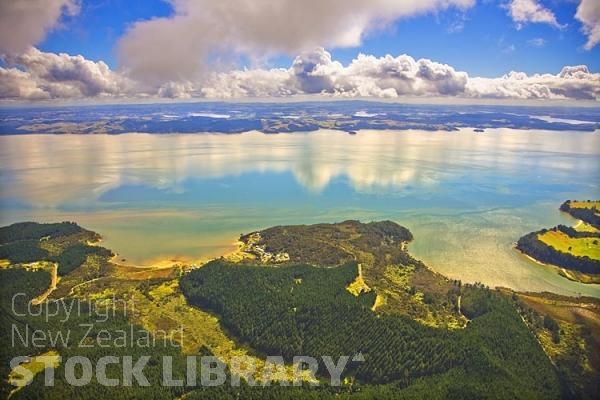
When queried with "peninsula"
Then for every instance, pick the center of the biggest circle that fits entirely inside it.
(574, 250)
(325, 289)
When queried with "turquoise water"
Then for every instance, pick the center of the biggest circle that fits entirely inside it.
(466, 196)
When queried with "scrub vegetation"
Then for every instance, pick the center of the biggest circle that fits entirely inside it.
(421, 335)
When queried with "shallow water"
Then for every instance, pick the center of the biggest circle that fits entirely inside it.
(466, 196)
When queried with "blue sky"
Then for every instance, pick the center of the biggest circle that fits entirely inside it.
(94, 31)
(228, 49)
(482, 40)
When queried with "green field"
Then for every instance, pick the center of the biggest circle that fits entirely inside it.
(580, 247)
(585, 204)
(584, 227)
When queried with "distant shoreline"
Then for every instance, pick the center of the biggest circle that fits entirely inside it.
(280, 117)
(473, 130)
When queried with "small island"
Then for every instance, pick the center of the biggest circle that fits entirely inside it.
(574, 250)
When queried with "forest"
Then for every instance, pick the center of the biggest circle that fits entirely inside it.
(566, 249)
(290, 309)
(17, 280)
(583, 210)
(64, 243)
(461, 371)
(319, 244)
(36, 231)
(305, 310)
(531, 245)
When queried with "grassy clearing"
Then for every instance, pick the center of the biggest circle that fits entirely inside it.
(579, 247)
(379, 301)
(169, 310)
(576, 353)
(585, 227)
(358, 286)
(53, 248)
(571, 342)
(585, 204)
(399, 276)
(160, 306)
(404, 291)
(35, 365)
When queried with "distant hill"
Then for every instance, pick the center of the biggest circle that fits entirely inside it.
(345, 116)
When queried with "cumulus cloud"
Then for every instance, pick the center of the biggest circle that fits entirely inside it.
(180, 46)
(17, 84)
(315, 72)
(588, 13)
(403, 76)
(175, 56)
(524, 11)
(36, 75)
(574, 82)
(275, 82)
(398, 76)
(24, 23)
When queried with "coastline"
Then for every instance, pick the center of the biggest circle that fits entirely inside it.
(573, 276)
(454, 130)
(138, 213)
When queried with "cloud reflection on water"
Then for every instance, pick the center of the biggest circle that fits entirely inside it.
(466, 196)
(48, 171)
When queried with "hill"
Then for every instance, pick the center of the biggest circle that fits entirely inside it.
(327, 289)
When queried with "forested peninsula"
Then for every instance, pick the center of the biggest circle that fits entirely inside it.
(347, 288)
(575, 250)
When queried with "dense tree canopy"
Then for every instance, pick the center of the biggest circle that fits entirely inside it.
(305, 310)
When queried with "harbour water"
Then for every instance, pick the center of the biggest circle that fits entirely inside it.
(466, 196)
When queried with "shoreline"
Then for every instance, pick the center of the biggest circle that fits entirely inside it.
(163, 261)
(562, 271)
(159, 263)
(581, 267)
(462, 129)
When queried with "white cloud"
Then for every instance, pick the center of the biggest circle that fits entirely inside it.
(537, 42)
(315, 72)
(457, 24)
(399, 76)
(179, 47)
(168, 57)
(176, 90)
(571, 83)
(24, 23)
(17, 84)
(390, 77)
(588, 13)
(37, 75)
(251, 83)
(524, 11)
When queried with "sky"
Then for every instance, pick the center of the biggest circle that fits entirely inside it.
(227, 49)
